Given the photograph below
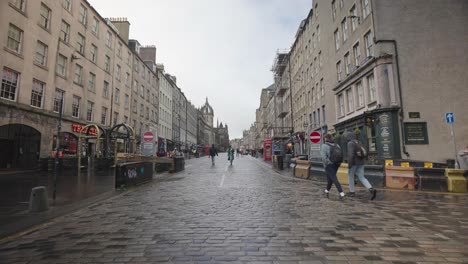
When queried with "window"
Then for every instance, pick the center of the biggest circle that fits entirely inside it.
(93, 53)
(80, 44)
(125, 120)
(354, 18)
(142, 91)
(322, 90)
(129, 57)
(119, 50)
(147, 95)
(338, 70)
(350, 98)
(357, 54)
(105, 90)
(67, 4)
(334, 9)
(360, 94)
(127, 101)
(95, 26)
(90, 111)
(135, 86)
(323, 114)
(61, 68)
(127, 79)
(341, 109)
(337, 39)
(109, 39)
(10, 83)
(83, 16)
(320, 59)
(313, 94)
(147, 112)
(117, 96)
(19, 4)
(37, 93)
(118, 72)
(365, 8)
(116, 118)
(92, 82)
(318, 91)
(316, 10)
(371, 86)
(142, 110)
(103, 115)
(316, 65)
(318, 116)
(78, 75)
(41, 54)
(58, 100)
(344, 29)
(44, 20)
(65, 32)
(76, 106)
(341, 4)
(347, 64)
(318, 33)
(368, 41)
(314, 41)
(135, 106)
(107, 64)
(15, 38)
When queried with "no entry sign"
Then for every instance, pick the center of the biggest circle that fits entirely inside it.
(148, 136)
(315, 137)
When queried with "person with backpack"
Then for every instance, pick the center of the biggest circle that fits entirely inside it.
(332, 157)
(357, 154)
(213, 153)
(230, 154)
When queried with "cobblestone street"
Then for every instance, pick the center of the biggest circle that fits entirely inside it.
(248, 213)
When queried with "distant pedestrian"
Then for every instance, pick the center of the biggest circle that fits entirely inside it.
(357, 154)
(332, 158)
(237, 152)
(463, 159)
(230, 153)
(213, 153)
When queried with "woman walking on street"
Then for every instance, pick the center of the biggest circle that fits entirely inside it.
(230, 153)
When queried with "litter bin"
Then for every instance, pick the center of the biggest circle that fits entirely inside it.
(38, 200)
(179, 164)
(278, 162)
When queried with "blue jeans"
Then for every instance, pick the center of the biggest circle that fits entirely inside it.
(359, 170)
(212, 159)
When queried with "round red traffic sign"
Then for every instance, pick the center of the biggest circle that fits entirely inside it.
(315, 137)
(148, 136)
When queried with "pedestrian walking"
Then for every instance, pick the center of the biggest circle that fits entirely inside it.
(332, 157)
(357, 154)
(230, 153)
(213, 153)
(237, 152)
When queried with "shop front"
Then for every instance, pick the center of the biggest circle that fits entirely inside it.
(20, 145)
(377, 130)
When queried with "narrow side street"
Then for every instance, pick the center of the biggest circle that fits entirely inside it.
(249, 213)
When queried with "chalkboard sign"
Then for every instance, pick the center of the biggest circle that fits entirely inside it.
(416, 133)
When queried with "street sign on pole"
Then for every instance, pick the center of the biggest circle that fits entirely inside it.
(449, 118)
(148, 136)
(315, 137)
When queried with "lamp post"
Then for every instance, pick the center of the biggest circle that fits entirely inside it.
(57, 148)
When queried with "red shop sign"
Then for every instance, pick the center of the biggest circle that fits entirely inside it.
(77, 128)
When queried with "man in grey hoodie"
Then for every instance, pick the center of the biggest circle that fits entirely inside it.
(356, 166)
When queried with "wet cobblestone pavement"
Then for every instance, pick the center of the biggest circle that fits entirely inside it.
(249, 214)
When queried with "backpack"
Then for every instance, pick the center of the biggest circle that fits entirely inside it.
(359, 150)
(336, 156)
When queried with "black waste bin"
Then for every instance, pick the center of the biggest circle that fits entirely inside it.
(279, 159)
(179, 164)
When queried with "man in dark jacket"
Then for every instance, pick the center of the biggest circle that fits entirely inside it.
(213, 153)
(330, 167)
(356, 166)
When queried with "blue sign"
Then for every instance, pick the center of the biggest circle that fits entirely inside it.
(449, 118)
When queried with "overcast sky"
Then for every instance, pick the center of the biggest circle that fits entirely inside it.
(220, 49)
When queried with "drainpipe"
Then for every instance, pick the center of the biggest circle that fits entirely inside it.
(395, 46)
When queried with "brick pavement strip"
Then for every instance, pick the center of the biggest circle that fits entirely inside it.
(254, 215)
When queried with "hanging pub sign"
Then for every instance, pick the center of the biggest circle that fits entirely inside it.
(77, 129)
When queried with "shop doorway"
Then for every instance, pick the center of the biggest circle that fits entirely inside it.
(20, 145)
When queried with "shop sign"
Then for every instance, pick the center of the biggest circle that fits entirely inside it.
(77, 129)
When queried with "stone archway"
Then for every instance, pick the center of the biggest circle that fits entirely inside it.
(20, 145)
